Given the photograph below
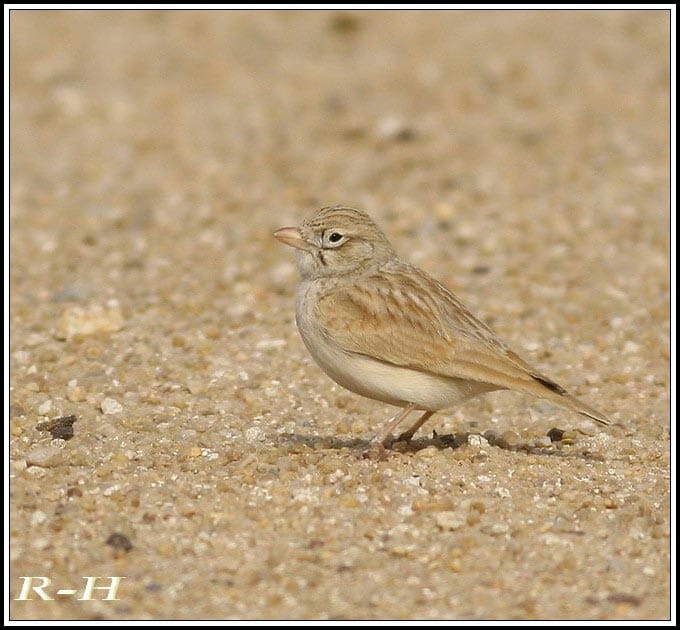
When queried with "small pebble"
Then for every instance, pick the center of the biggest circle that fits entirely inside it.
(59, 428)
(44, 456)
(40, 544)
(38, 518)
(194, 451)
(76, 320)
(427, 452)
(394, 128)
(45, 408)
(631, 347)
(75, 393)
(555, 435)
(449, 520)
(270, 344)
(497, 529)
(510, 439)
(254, 434)
(491, 436)
(110, 405)
(477, 441)
(424, 505)
(111, 489)
(119, 542)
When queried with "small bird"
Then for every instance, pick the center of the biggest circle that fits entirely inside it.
(383, 328)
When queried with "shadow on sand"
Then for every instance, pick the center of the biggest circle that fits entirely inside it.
(446, 441)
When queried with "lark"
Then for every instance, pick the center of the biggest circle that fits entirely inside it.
(383, 328)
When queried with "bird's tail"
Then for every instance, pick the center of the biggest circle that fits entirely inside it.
(557, 394)
(585, 410)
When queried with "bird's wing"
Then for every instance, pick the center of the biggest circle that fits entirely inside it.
(404, 317)
(409, 319)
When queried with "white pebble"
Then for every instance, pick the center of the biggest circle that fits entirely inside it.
(305, 495)
(449, 520)
(630, 347)
(268, 344)
(336, 476)
(254, 434)
(110, 405)
(112, 489)
(209, 454)
(412, 481)
(45, 408)
(76, 320)
(543, 442)
(44, 456)
(477, 441)
(616, 322)
(38, 518)
(40, 544)
(498, 529)
(393, 128)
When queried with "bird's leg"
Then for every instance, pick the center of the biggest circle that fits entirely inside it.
(408, 434)
(381, 438)
(377, 445)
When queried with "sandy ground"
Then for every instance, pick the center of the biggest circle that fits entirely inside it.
(520, 157)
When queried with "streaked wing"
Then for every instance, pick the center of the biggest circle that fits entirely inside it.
(404, 317)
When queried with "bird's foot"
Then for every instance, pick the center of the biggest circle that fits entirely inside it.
(406, 436)
(375, 451)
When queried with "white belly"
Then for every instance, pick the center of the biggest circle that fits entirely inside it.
(384, 381)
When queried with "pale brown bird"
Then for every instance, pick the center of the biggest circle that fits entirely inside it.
(385, 329)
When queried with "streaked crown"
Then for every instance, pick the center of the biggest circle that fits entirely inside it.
(343, 240)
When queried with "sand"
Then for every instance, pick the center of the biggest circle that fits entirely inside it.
(520, 157)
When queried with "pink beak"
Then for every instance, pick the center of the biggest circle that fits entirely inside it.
(291, 236)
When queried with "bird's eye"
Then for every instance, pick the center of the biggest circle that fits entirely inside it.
(335, 237)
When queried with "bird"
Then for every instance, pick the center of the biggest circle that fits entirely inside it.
(385, 329)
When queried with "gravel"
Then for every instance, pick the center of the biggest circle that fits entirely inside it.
(521, 157)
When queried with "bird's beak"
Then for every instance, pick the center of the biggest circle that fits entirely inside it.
(291, 236)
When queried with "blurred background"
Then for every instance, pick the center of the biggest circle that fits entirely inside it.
(205, 129)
